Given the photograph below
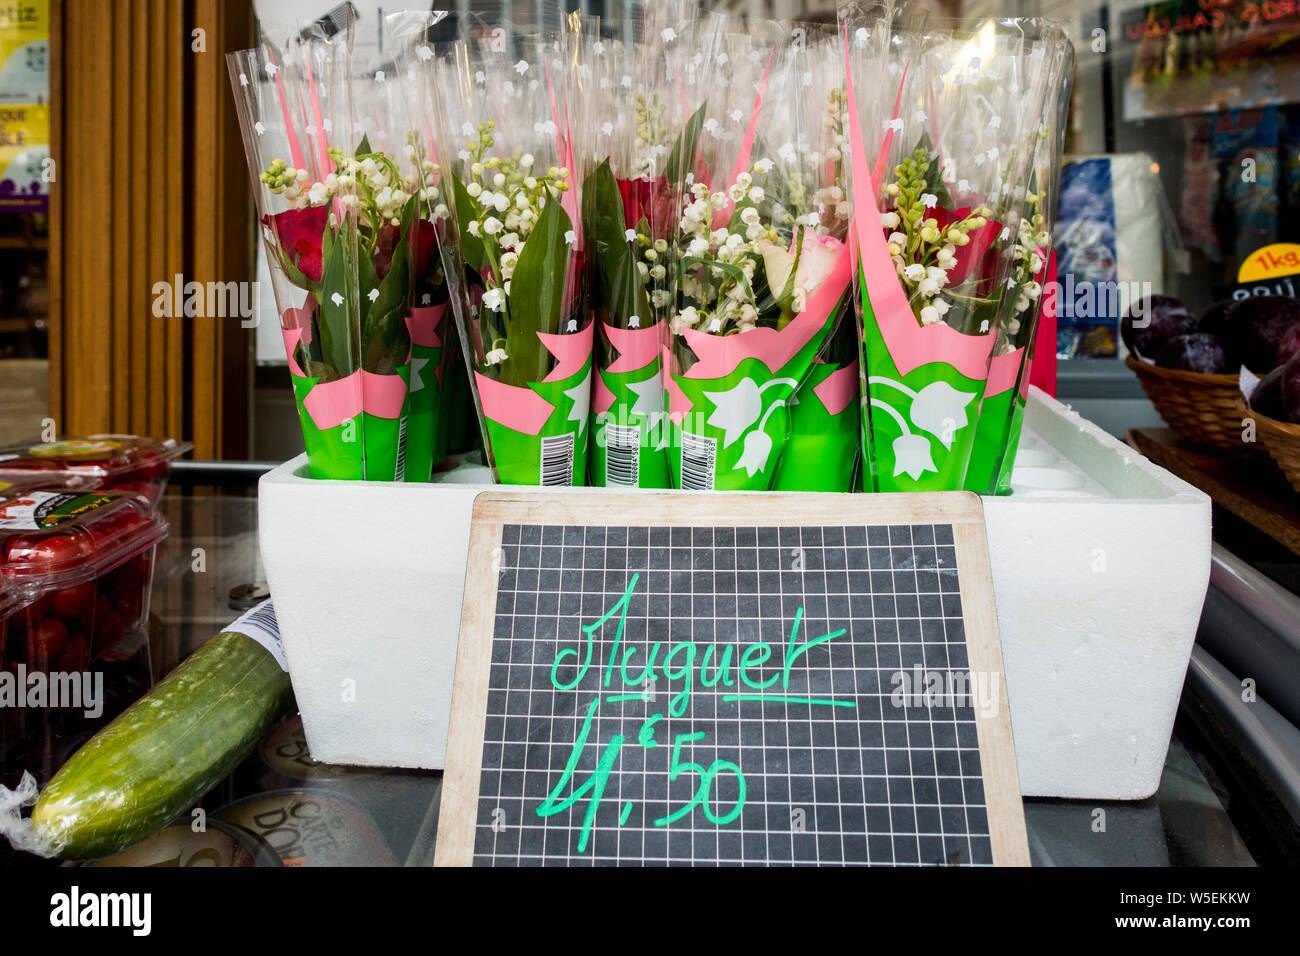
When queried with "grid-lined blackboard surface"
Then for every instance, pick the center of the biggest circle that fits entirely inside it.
(829, 636)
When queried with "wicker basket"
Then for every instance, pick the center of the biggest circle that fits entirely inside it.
(1202, 408)
(1282, 441)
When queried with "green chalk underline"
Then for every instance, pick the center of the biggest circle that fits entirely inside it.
(739, 698)
(770, 699)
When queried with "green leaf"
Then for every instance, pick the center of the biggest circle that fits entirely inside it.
(682, 158)
(363, 147)
(385, 338)
(603, 229)
(731, 272)
(367, 279)
(933, 181)
(784, 301)
(736, 224)
(291, 271)
(334, 319)
(471, 247)
(537, 295)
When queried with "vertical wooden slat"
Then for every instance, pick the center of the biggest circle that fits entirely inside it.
(222, 243)
(174, 420)
(155, 212)
(86, 345)
(56, 271)
(125, 169)
(206, 194)
(137, 326)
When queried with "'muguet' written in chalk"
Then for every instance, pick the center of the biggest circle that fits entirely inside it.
(640, 667)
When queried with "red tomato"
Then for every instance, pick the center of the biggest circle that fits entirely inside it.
(45, 549)
(107, 629)
(126, 581)
(128, 586)
(71, 603)
(151, 467)
(31, 615)
(45, 642)
(129, 602)
(74, 656)
(136, 487)
(106, 529)
(115, 527)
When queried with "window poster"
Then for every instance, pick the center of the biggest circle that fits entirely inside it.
(25, 170)
(1203, 56)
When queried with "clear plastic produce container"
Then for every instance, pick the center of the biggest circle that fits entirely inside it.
(75, 568)
(98, 462)
(15, 482)
(9, 602)
(82, 561)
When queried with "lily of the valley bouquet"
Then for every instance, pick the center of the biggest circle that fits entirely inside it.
(641, 111)
(395, 112)
(942, 143)
(507, 164)
(823, 450)
(1033, 270)
(293, 106)
(763, 269)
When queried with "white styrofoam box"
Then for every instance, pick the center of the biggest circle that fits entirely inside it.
(1100, 561)
(1100, 565)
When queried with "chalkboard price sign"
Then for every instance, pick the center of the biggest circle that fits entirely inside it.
(729, 679)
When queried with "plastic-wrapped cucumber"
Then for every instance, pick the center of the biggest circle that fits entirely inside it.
(158, 757)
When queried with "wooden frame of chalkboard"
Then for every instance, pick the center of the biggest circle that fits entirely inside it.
(908, 789)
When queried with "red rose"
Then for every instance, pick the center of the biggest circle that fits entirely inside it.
(423, 236)
(651, 200)
(301, 234)
(385, 246)
(573, 289)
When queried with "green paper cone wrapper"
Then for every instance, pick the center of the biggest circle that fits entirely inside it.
(730, 409)
(821, 453)
(426, 438)
(631, 433)
(537, 434)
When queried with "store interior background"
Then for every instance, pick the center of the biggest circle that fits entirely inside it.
(152, 182)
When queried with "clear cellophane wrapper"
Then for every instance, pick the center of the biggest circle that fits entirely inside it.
(638, 117)
(764, 266)
(502, 110)
(1032, 290)
(944, 126)
(401, 107)
(293, 105)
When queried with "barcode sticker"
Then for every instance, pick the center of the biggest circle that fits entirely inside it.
(699, 454)
(623, 455)
(399, 473)
(557, 460)
(260, 625)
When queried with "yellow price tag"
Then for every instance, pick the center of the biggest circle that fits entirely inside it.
(1269, 262)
